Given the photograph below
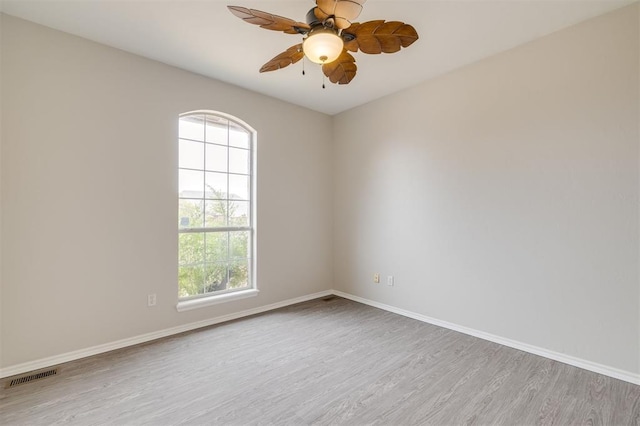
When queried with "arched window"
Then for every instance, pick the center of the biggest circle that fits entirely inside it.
(216, 209)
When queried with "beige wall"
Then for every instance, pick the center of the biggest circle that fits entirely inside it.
(504, 196)
(89, 193)
(1, 97)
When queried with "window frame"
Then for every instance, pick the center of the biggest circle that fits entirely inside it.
(220, 296)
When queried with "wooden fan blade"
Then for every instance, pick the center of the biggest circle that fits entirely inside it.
(376, 37)
(349, 10)
(286, 58)
(342, 70)
(343, 11)
(268, 21)
(342, 23)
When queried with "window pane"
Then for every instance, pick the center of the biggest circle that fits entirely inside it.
(191, 154)
(215, 213)
(191, 249)
(238, 213)
(217, 129)
(216, 277)
(216, 246)
(214, 170)
(191, 184)
(191, 280)
(191, 127)
(239, 244)
(238, 161)
(216, 157)
(238, 136)
(216, 185)
(238, 187)
(190, 214)
(239, 274)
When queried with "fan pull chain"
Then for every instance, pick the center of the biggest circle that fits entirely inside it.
(323, 80)
(303, 60)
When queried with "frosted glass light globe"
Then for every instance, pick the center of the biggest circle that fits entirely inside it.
(323, 46)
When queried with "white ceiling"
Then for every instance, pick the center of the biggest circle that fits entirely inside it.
(204, 37)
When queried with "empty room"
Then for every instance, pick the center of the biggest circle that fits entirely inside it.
(331, 212)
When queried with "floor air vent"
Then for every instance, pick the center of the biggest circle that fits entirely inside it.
(329, 297)
(32, 377)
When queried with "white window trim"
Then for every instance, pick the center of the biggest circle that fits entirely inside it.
(201, 302)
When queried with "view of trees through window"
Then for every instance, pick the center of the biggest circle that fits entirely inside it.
(214, 213)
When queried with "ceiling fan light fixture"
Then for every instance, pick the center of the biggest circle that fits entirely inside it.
(325, 38)
(322, 46)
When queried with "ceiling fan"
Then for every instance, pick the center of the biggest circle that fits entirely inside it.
(329, 34)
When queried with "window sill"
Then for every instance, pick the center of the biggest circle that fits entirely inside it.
(187, 305)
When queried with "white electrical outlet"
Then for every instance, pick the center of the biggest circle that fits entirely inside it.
(376, 278)
(151, 299)
(390, 280)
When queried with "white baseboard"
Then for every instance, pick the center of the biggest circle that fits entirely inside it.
(95, 350)
(143, 338)
(556, 356)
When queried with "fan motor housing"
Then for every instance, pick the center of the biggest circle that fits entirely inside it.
(312, 19)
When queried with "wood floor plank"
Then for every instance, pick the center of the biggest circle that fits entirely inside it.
(333, 362)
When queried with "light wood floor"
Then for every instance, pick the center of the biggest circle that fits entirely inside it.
(322, 362)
